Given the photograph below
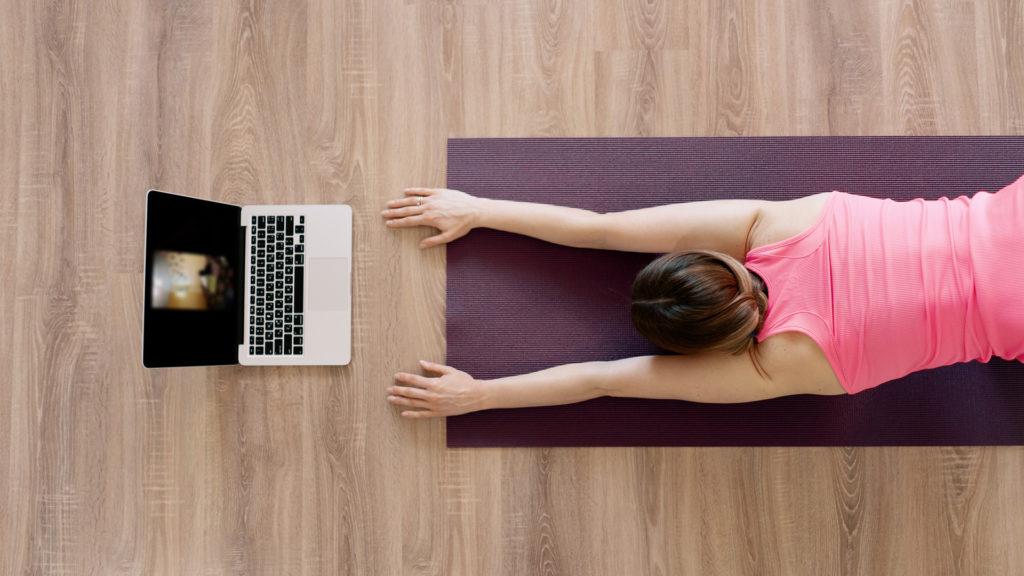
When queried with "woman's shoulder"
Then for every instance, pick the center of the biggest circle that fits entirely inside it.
(795, 362)
(784, 219)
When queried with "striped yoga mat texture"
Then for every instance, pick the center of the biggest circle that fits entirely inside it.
(516, 304)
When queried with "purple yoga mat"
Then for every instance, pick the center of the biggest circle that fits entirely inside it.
(516, 304)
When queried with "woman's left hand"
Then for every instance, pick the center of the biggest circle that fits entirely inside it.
(453, 392)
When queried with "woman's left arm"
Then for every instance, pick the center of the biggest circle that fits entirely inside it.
(710, 377)
(454, 392)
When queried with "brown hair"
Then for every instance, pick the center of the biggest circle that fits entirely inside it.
(699, 301)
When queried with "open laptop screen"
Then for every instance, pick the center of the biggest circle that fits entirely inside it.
(193, 281)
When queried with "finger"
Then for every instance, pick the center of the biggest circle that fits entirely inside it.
(420, 191)
(420, 414)
(435, 367)
(418, 393)
(407, 222)
(435, 240)
(403, 212)
(410, 402)
(407, 201)
(414, 379)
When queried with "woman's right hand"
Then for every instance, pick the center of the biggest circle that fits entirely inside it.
(452, 212)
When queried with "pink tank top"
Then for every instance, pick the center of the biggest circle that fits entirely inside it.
(887, 288)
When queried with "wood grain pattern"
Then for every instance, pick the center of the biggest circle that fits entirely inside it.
(107, 468)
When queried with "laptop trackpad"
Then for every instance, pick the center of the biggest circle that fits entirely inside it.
(326, 283)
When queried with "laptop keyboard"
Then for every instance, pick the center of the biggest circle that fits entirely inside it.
(277, 274)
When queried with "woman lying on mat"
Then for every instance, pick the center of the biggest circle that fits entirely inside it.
(832, 293)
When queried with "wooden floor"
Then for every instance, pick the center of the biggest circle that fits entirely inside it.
(108, 468)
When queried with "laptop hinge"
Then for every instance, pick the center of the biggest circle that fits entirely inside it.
(240, 279)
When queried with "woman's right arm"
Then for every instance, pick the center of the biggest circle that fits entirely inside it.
(455, 213)
(722, 225)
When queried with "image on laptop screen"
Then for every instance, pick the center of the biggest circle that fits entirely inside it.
(187, 281)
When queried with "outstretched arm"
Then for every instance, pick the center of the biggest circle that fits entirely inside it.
(713, 377)
(722, 225)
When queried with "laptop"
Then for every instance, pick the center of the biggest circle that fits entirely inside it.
(250, 285)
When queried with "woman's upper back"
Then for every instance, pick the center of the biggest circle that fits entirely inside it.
(884, 288)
